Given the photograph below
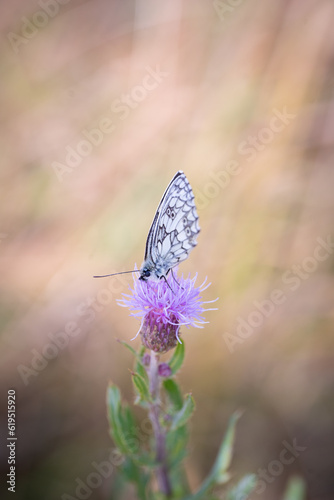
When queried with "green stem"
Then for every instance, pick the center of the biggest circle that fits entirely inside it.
(159, 434)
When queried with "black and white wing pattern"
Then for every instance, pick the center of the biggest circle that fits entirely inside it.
(173, 231)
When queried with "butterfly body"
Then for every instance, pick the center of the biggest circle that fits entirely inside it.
(173, 231)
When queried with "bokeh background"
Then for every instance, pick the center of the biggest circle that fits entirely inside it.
(242, 101)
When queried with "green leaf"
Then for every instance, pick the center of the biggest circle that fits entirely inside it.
(179, 481)
(183, 415)
(224, 456)
(113, 397)
(131, 349)
(141, 387)
(243, 489)
(173, 394)
(114, 410)
(137, 476)
(139, 367)
(129, 419)
(219, 474)
(176, 443)
(118, 425)
(159, 496)
(141, 370)
(118, 485)
(145, 459)
(129, 430)
(124, 431)
(177, 359)
(295, 489)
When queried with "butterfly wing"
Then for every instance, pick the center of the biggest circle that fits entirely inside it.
(174, 228)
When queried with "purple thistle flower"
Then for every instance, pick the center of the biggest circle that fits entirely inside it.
(164, 307)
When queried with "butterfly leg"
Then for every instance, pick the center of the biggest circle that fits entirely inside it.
(176, 279)
(164, 277)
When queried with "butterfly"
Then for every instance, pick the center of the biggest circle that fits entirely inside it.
(173, 232)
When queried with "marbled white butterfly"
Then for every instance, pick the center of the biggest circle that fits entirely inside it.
(173, 232)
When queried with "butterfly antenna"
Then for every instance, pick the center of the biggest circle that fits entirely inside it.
(115, 274)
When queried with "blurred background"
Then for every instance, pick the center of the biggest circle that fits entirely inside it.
(102, 102)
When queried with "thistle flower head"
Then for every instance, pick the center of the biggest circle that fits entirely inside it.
(163, 307)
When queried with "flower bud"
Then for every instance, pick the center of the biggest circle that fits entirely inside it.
(146, 359)
(158, 335)
(164, 370)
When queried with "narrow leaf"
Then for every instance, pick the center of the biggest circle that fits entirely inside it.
(219, 474)
(173, 394)
(132, 473)
(145, 459)
(124, 431)
(115, 418)
(177, 359)
(179, 481)
(141, 370)
(182, 416)
(130, 433)
(141, 387)
(128, 419)
(139, 367)
(243, 489)
(295, 489)
(176, 445)
(131, 349)
(224, 457)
